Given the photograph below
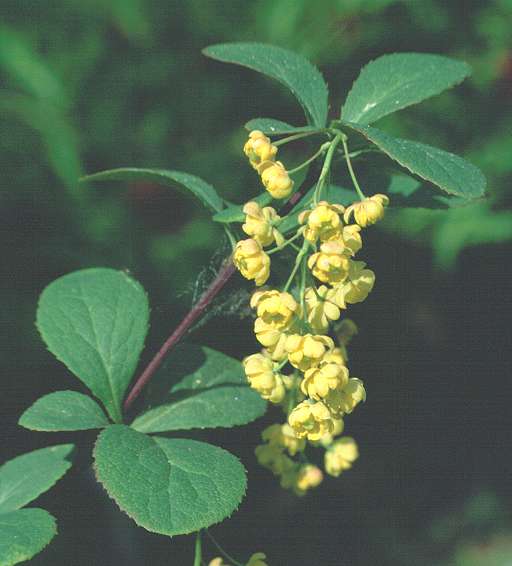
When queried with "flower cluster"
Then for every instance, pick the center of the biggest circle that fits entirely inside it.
(262, 153)
(293, 326)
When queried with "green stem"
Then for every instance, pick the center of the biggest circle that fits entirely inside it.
(230, 236)
(296, 137)
(198, 555)
(322, 148)
(221, 550)
(350, 169)
(298, 261)
(326, 166)
(284, 244)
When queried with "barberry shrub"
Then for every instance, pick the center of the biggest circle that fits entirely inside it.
(308, 223)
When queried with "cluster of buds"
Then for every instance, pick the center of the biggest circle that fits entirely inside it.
(293, 328)
(274, 176)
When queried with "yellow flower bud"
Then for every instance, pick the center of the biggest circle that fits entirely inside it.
(368, 211)
(318, 381)
(357, 286)
(340, 456)
(283, 436)
(257, 559)
(252, 262)
(308, 477)
(311, 420)
(323, 222)
(259, 223)
(262, 376)
(259, 148)
(217, 562)
(275, 178)
(344, 401)
(271, 457)
(330, 264)
(275, 308)
(307, 351)
(320, 308)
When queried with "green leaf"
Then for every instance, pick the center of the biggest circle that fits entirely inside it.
(168, 486)
(235, 214)
(63, 410)
(25, 477)
(449, 172)
(23, 534)
(95, 322)
(332, 193)
(395, 81)
(199, 388)
(174, 179)
(275, 127)
(28, 68)
(294, 71)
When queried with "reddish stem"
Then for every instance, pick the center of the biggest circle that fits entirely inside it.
(197, 310)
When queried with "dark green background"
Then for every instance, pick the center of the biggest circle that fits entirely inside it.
(91, 85)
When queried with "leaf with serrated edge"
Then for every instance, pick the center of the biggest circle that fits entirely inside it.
(185, 182)
(168, 486)
(24, 533)
(199, 388)
(292, 70)
(449, 172)
(395, 81)
(270, 126)
(63, 410)
(95, 322)
(25, 477)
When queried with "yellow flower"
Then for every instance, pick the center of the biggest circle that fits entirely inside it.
(257, 559)
(344, 401)
(328, 439)
(308, 476)
(262, 376)
(275, 308)
(323, 222)
(273, 339)
(284, 436)
(351, 236)
(330, 264)
(252, 262)
(259, 223)
(320, 308)
(307, 351)
(318, 381)
(357, 286)
(217, 562)
(368, 211)
(271, 456)
(275, 178)
(258, 149)
(340, 456)
(311, 420)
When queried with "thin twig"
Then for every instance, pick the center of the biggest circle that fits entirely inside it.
(227, 270)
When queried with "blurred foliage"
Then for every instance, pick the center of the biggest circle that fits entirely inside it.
(86, 86)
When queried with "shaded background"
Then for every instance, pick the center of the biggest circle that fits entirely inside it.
(92, 85)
